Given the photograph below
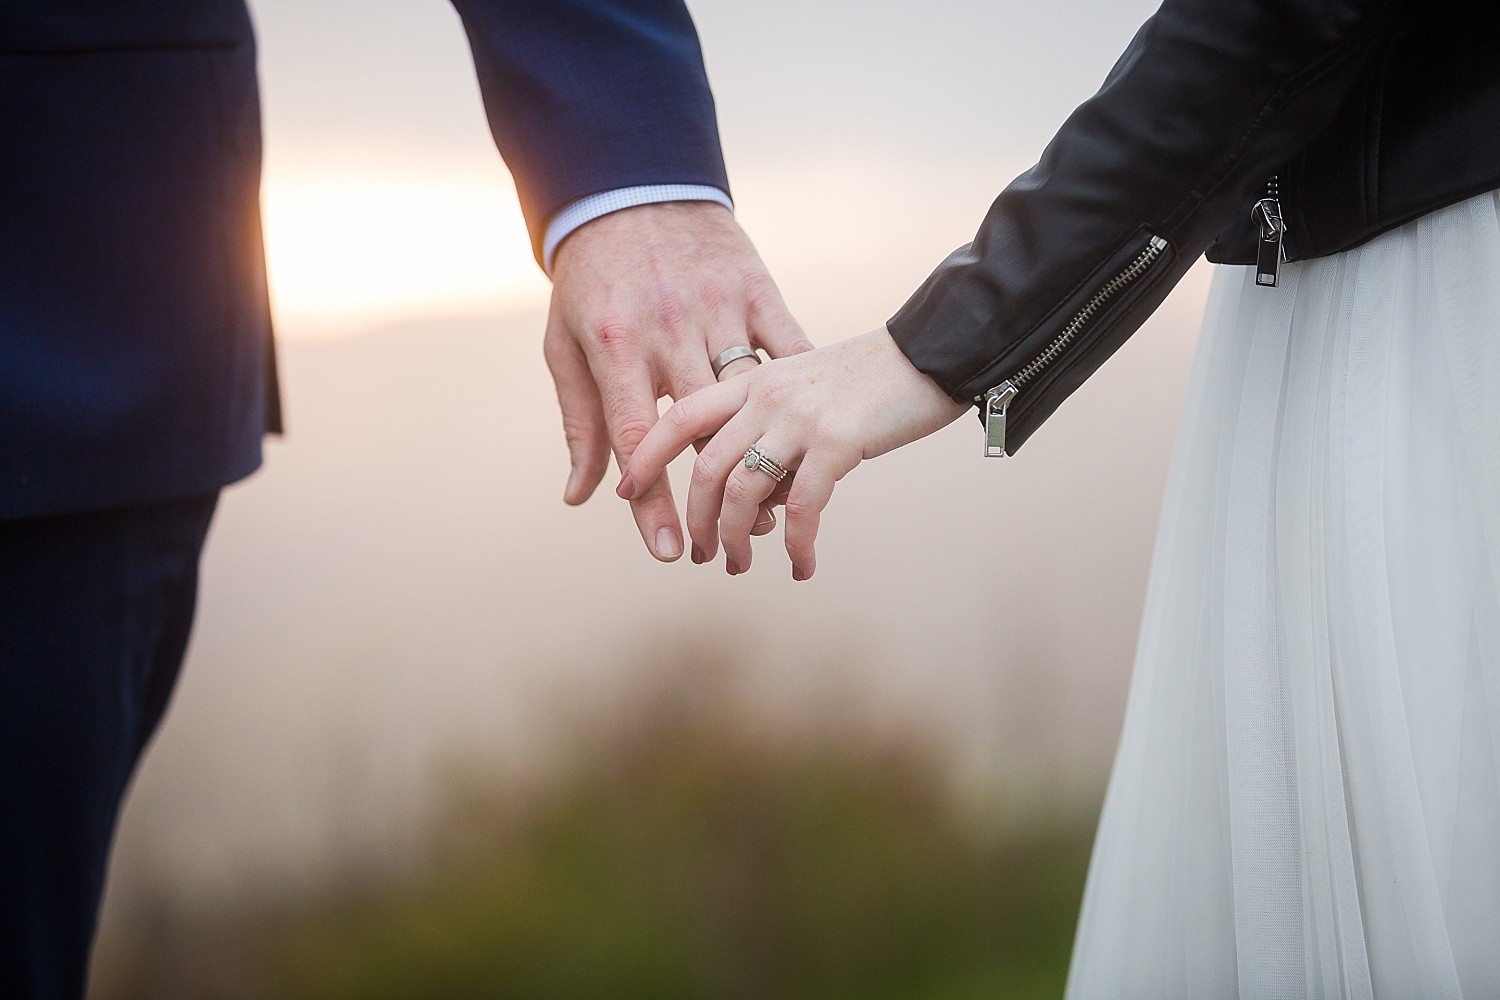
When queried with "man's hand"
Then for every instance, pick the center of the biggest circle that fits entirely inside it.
(642, 300)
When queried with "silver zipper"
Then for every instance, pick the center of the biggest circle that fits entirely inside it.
(997, 400)
(1271, 250)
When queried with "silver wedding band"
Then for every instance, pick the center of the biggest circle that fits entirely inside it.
(757, 460)
(729, 357)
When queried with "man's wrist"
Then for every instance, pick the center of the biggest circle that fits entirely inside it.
(585, 210)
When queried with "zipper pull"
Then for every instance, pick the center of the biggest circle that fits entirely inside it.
(1272, 248)
(995, 403)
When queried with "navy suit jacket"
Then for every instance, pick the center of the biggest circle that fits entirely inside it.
(136, 360)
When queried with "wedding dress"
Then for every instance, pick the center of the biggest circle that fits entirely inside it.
(1305, 801)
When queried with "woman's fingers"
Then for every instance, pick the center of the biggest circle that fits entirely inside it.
(745, 489)
(815, 410)
(711, 470)
(811, 490)
(687, 420)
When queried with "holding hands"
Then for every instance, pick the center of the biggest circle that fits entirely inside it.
(649, 302)
(790, 429)
(643, 300)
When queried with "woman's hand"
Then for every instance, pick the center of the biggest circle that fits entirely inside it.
(819, 414)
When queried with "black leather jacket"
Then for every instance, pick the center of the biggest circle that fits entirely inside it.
(1252, 130)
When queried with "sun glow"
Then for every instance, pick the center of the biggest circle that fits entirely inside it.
(346, 253)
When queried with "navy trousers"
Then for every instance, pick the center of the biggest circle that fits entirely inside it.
(95, 611)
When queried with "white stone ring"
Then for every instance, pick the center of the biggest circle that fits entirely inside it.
(729, 357)
(757, 460)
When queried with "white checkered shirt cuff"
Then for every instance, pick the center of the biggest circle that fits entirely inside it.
(588, 209)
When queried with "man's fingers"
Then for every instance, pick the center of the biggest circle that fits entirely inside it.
(765, 519)
(690, 419)
(721, 340)
(773, 329)
(656, 517)
(630, 413)
(582, 415)
(687, 372)
(765, 522)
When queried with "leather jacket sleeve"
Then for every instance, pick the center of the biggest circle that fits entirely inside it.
(585, 96)
(1201, 111)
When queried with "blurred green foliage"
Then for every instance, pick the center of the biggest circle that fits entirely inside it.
(688, 852)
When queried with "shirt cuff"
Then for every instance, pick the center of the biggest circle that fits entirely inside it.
(584, 210)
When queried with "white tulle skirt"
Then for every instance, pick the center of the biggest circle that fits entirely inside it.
(1306, 800)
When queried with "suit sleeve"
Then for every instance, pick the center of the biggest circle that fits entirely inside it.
(585, 96)
(1209, 101)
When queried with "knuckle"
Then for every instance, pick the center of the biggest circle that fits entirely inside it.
(653, 509)
(797, 342)
(799, 510)
(805, 408)
(737, 491)
(715, 299)
(669, 310)
(680, 414)
(704, 472)
(760, 290)
(770, 386)
(788, 397)
(630, 430)
(578, 433)
(612, 334)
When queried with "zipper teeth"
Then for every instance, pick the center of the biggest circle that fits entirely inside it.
(1081, 318)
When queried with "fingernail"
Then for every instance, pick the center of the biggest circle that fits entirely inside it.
(733, 567)
(766, 517)
(667, 545)
(799, 574)
(571, 490)
(698, 557)
(626, 489)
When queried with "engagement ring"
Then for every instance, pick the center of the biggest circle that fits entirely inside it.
(757, 459)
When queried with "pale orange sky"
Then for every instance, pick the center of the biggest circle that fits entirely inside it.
(864, 141)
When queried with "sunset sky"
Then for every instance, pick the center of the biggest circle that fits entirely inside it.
(864, 140)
